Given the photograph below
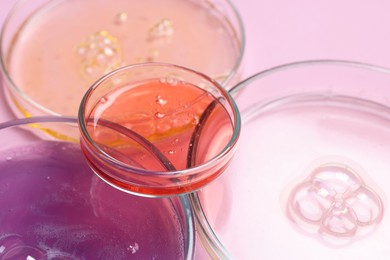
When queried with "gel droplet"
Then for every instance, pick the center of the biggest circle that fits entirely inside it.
(160, 100)
(159, 115)
(163, 28)
(103, 100)
(121, 18)
(171, 81)
(163, 80)
(133, 248)
(82, 51)
(154, 53)
(89, 70)
(196, 120)
(108, 51)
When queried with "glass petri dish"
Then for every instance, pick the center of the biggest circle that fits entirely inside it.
(310, 176)
(49, 60)
(55, 207)
(158, 129)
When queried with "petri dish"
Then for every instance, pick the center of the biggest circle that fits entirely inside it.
(49, 60)
(158, 129)
(55, 207)
(310, 175)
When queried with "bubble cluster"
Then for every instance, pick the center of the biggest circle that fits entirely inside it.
(99, 54)
(162, 29)
(334, 202)
(133, 248)
(170, 80)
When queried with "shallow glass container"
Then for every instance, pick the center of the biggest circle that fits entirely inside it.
(51, 51)
(55, 207)
(311, 173)
(185, 125)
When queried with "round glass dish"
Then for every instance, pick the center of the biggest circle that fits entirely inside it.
(158, 129)
(311, 173)
(52, 51)
(55, 207)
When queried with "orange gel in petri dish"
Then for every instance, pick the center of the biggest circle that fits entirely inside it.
(157, 135)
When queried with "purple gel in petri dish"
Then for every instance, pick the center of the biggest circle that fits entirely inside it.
(54, 206)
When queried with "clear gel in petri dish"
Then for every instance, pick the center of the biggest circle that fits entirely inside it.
(55, 207)
(52, 51)
(310, 176)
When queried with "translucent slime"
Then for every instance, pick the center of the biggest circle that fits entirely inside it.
(334, 202)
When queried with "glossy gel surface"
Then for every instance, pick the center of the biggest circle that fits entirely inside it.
(54, 206)
(184, 124)
(54, 59)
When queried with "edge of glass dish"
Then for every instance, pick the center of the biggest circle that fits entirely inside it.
(210, 241)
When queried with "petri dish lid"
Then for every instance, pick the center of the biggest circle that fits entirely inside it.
(54, 206)
(311, 173)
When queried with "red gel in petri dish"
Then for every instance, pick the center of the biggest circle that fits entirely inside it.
(310, 176)
(186, 123)
(54, 206)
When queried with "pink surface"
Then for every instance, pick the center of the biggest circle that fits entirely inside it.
(284, 31)
(279, 32)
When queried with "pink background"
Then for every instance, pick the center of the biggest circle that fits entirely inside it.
(282, 31)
